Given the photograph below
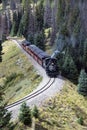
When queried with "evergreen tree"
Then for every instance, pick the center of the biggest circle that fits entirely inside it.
(0, 51)
(4, 27)
(54, 22)
(20, 30)
(60, 13)
(14, 25)
(85, 55)
(80, 53)
(12, 4)
(69, 69)
(5, 116)
(39, 15)
(47, 13)
(19, 17)
(82, 83)
(26, 4)
(9, 20)
(39, 40)
(4, 3)
(23, 27)
(35, 112)
(25, 114)
(31, 38)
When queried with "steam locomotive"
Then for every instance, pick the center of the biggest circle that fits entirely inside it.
(47, 62)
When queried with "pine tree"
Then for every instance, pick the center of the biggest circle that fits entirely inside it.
(39, 40)
(82, 83)
(60, 13)
(85, 54)
(35, 112)
(47, 13)
(9, 24)
(4, 27)
(25, 114)
(4, 3)
(5, 116)
(20, 30)
(31, 38)
(0, 51)
(54, 22)
(26, 5)
(19, 17)
(40, 16)
(12, 4)
(15, 24)
(23, 27)
(69, 69)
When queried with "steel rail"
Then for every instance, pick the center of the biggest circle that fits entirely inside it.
(33, 95)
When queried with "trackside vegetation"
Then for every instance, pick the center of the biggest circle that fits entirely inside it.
(66, 111)
(16, 73)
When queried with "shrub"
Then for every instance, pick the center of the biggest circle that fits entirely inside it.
(10, 78)
(80, 120)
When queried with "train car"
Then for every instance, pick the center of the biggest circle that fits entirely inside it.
(25, 43)
(37, 54)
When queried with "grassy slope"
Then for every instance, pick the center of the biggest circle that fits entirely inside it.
(16, 63)
(64, 111)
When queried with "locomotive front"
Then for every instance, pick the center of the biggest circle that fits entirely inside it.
(51, 67)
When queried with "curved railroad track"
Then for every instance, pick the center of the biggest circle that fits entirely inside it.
(34, 94)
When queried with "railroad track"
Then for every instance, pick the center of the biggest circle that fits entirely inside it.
(34, 94)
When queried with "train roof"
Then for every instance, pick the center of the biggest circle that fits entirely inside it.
(26, 42)
(38, 51)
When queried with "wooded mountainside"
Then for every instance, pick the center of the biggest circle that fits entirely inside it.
(61, 23)
(63, 16)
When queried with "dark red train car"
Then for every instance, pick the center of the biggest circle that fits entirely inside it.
(24, 43)
(37, 54)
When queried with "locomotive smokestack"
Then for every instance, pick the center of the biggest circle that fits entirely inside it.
(55, 53)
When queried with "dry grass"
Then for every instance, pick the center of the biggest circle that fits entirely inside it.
(64, 111)
(15, 62)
